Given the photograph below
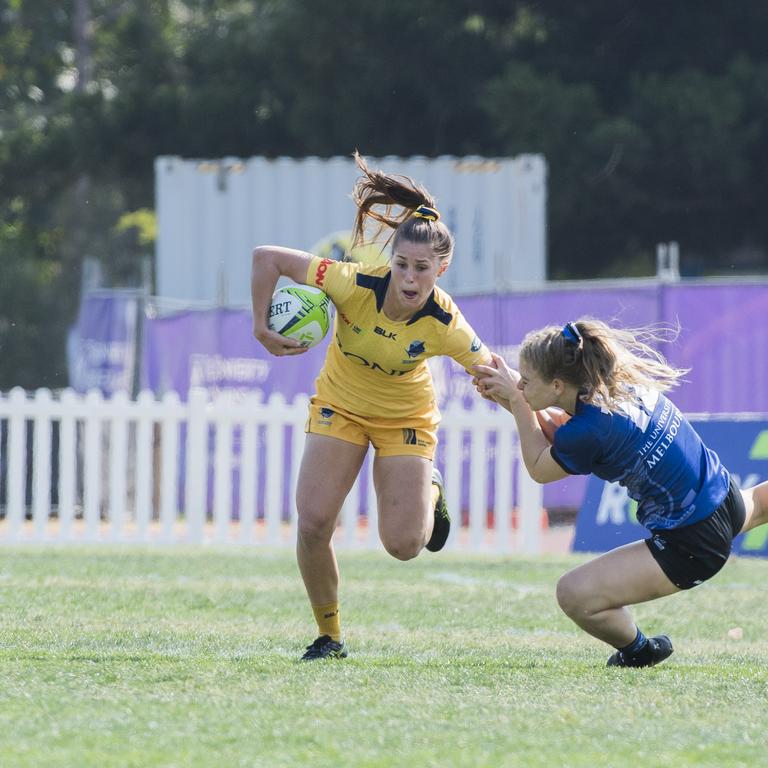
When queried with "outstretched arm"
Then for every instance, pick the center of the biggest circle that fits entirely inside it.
(268, 264)
(499, 382)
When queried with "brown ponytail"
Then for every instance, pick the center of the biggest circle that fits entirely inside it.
(378, 190)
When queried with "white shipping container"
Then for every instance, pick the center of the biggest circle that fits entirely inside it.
(211, 213)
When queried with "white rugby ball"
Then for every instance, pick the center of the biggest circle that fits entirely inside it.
(300, 312)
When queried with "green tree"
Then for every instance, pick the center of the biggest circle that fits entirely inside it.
(653, 119)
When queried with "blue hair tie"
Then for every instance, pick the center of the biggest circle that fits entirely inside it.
(571, 335)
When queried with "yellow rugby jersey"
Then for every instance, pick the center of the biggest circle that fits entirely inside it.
(376, 366)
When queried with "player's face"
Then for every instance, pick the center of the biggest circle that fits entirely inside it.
(539, 394)
(414, 272)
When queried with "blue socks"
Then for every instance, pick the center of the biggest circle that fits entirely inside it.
(635, 646)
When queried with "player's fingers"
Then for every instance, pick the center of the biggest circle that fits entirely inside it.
(290, 351)
(288, 343)
(498, 360)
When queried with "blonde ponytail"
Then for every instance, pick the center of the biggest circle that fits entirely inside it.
(606, 364)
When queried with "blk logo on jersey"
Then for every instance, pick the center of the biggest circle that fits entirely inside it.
(386, 334)
(476, 344)
(415, 349)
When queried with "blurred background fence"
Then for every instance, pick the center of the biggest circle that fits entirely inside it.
(223, 470)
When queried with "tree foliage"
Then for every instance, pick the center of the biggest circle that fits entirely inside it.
(653, 119)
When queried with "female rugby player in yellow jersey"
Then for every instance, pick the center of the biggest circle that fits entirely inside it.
(374, 387)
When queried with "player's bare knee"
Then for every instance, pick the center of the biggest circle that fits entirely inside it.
(570, 595)
(403, 549)
(314, 529)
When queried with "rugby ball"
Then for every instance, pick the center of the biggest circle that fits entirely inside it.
(300, 312)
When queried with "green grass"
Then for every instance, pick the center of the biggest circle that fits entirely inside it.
(127, 657)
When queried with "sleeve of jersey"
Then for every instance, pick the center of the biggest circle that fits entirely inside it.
(336, 278)
(575, 448)
(464, 346)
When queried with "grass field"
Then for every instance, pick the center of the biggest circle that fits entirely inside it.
(128, 657)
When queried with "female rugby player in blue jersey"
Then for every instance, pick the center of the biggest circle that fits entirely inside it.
(374, 387)
(618, 425)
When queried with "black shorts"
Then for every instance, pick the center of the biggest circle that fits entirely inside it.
(692, 554)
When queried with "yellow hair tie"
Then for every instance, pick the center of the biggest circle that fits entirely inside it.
(425, 212)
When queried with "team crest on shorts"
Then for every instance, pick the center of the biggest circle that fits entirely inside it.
(325, 416)
(410, 438)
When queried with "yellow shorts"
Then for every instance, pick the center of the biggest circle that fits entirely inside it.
(390, 437)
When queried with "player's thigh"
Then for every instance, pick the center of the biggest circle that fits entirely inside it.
(624, 576)
(403, 489)
(755, 505)
(329, 467)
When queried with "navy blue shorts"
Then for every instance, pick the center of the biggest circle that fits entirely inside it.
(692, 554)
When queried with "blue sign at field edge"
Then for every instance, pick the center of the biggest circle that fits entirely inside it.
(607, 518)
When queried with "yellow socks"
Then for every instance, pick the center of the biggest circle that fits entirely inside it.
(328, 620)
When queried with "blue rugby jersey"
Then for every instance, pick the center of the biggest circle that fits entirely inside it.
(650, 448)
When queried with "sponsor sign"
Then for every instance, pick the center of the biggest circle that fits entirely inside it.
(102, 345)
(608, 517)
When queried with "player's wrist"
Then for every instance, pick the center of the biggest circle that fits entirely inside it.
(518, 407)
(260, 331)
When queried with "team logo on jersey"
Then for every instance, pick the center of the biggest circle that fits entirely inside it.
(415, 349)
(386, 334)
(476, 344)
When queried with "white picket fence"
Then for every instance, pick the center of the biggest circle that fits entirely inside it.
(169, 472)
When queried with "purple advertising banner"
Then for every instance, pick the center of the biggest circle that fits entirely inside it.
(722, 328)
(102, 345)
(215, 349)
(723, 339)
